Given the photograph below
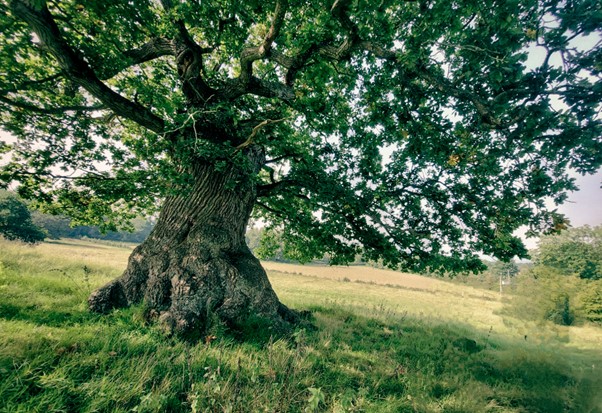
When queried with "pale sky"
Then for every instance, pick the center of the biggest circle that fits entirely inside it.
(584, 207)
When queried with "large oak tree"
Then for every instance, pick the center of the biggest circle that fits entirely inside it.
(416, 133)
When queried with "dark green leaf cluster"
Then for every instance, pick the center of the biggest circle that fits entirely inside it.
(15, 220)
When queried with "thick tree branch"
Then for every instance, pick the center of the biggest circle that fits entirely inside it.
(275, 186)
(246, 82)
(269, 89)
(326, 49)
(270, 189)
(75, 68)
(153, 49)
(250, 55)
(271, 210)
(189, 60)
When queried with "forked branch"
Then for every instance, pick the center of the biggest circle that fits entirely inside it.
(250, 55)
(76, 69)
(153, 49)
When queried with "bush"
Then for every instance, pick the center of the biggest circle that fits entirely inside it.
(15, 220)
(560, 312)
(576, 251)
(544, 294)
(590, 302)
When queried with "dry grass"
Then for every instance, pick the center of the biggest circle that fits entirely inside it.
(365, 274)
(445, 305)
(90, 252)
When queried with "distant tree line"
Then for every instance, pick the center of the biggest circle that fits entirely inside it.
(18, 222)
(58, 226)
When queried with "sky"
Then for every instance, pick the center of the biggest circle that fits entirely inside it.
(584, 207)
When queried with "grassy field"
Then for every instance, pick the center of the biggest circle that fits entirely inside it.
(381, 342)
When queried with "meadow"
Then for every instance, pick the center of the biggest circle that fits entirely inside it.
(376, 341)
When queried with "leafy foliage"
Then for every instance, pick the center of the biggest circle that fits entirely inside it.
(544, 295)
(414, 133)
(591, 302)
(15, 220)
(553, 287)
(575, 251)
(564, 284)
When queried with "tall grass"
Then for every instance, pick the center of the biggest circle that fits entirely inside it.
(368, 350)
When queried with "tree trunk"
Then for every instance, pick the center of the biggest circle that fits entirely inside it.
(195, 264)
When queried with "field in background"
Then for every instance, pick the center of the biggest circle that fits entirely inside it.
(359, 288)
(361, 273)
(384, 341)
(366, 289)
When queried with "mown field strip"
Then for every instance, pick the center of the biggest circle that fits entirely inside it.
(364, 274)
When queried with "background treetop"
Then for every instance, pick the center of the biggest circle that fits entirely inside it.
(576, 251)
(16, 222)
(416, 132)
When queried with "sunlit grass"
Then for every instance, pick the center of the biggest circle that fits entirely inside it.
(373, 348)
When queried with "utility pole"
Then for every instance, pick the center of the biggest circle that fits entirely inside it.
(500, 284)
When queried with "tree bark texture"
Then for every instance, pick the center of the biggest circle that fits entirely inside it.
(195, 264)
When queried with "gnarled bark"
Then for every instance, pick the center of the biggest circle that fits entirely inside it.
(195, 263)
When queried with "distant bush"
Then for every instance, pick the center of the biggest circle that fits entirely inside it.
(15, 220)
(542, 294)
(564, 285)
(545, 294)
(575, 251)
(560, 312)
(590, 302)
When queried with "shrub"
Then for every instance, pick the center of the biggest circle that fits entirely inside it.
(590, 302)
(544, 294)
(560, 312)
(15, 220)
(576, 251)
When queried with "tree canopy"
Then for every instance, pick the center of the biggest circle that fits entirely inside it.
(419, 133)
(576, 251)
(15, 220)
